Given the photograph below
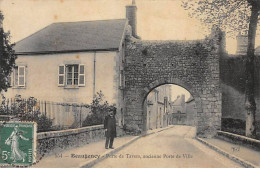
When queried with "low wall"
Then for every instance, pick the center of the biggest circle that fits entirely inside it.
(56, 141)
(239, 139)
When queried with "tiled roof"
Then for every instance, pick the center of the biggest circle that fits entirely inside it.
(190, 99)
(74, 36)
(179, 100)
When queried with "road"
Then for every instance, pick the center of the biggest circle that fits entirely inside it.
(174, 147)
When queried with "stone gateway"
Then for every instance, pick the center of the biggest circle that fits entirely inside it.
(193, 65)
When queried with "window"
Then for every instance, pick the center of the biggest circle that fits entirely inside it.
(18, 76)
(165, 104)
(71, 75)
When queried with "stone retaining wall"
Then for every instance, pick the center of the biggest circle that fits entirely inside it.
(55, 141)
(239, 139)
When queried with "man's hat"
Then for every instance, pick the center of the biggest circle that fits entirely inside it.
(112, 109)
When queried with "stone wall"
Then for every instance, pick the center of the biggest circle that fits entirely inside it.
(56, 141)
(193, 65)
(232, 74)
(191, 112)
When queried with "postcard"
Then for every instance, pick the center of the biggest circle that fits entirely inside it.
(129, 84)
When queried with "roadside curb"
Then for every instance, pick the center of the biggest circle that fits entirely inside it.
(230, 156)
(92, 162)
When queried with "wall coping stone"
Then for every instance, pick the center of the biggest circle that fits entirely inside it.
(52, 134)
(239, 139)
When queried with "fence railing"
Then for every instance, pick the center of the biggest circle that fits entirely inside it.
(68, 115)
(64, 114)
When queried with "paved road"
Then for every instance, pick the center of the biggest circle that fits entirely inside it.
(174, 147)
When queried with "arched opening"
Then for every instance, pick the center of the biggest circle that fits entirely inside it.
(169, 104)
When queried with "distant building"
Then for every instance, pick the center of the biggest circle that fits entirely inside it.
(178, 115)
(191, 111)
(242, 43)
(158, 107)
(179, 104)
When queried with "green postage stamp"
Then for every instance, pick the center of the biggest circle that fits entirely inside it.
(17, 143)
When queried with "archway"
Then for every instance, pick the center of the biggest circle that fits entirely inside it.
(161, 109)
(193, 65)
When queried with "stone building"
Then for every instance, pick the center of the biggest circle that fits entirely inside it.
(242, 42)
(183, 113)
(191, 111)
(179, 104)
(158, 107)
(178, 115)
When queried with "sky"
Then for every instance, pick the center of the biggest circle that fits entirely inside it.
(156, 19)
(178, 91)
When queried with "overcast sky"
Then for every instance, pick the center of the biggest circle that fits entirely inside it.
(156, 19)
(178, 91)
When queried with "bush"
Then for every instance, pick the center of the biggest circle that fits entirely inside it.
(26, 110)
(98, 111)
(238, 126)
(132, 129)
(233, 123)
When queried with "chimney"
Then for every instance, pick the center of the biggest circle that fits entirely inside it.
(242, 41)
(182, 99)
(131, 16)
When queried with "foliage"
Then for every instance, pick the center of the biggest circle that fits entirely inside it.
(132, 129)
(237, 126)
(7, 58)
(25, 110)
(230, 15)
(98, 110)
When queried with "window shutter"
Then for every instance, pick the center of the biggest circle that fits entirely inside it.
(15, 76)
(21, 76)
(120, 79)
(9, 80)
(81, 75)
(61, 75)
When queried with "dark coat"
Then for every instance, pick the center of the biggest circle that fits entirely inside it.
(110, 125)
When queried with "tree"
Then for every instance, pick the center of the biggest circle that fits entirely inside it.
(234, 16)
(7, 57)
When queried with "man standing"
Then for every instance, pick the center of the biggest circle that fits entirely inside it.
(110, 127)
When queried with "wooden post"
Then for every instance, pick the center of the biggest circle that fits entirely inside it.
(45, 113)
(7, 103)
(80, 125)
